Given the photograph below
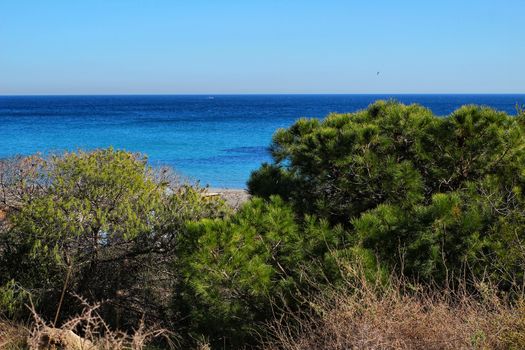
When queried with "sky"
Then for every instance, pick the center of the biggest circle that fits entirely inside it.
(261, 46)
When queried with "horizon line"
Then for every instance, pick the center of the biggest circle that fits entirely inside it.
(259, 94)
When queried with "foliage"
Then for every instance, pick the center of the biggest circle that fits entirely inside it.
(12, 299)
(458, 232)
(430, 195)
(236, 267)
(103, 225)
(270, 180)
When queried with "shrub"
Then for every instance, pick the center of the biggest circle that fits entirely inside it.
(101, 224)
(431, 196)
(400, 315)
(270, 180)
(12, 299)
(236, 267)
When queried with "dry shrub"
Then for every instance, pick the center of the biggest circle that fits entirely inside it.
(400, 315)
(94, 331)
(21, 178)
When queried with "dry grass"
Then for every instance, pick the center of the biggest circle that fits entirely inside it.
(12, 336)
(362, 315)
(358, 315)
(94, 331)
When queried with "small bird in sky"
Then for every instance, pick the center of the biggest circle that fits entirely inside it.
(377, 73)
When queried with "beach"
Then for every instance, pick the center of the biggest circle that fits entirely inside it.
(233, 197)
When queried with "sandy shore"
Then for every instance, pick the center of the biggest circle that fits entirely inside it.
(234, 197)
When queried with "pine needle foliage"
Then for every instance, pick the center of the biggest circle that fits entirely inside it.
(430, 196)
(236, 268)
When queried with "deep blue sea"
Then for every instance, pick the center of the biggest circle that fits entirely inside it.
(216, 139)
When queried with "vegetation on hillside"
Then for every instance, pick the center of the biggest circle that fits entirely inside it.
(385, 228)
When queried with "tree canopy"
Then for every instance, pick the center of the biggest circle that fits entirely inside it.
(101, 224)
(430, 194)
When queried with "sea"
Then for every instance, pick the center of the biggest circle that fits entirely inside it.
(217, 140)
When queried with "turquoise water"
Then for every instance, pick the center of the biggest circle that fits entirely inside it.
(218, 140)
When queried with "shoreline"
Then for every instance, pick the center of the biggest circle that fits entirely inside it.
(234, 197)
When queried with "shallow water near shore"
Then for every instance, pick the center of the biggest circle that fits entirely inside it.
(217, 139)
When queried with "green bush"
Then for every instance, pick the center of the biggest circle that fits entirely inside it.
(238, 268)
(104, 225)
(429, 195)
(270, 180)
(12, 299)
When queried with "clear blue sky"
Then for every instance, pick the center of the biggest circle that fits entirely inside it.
(261, 46)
